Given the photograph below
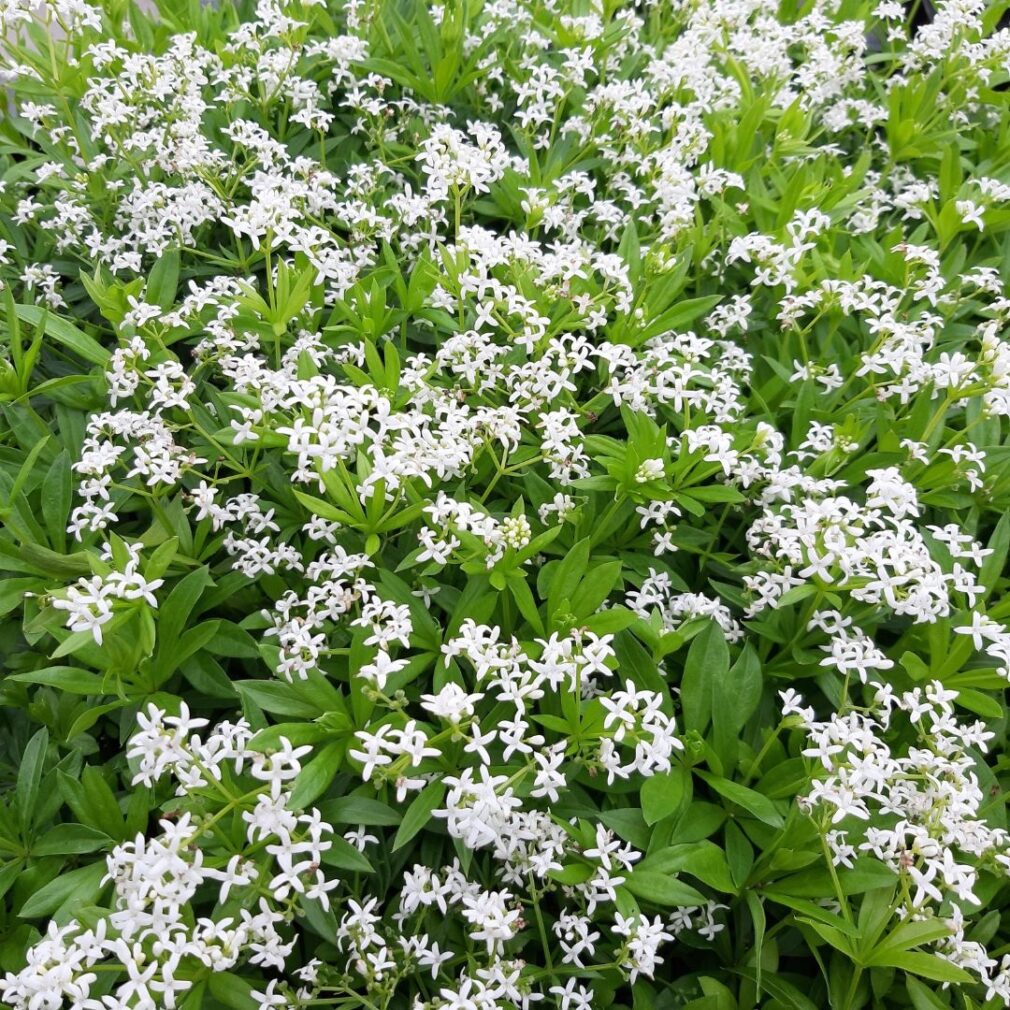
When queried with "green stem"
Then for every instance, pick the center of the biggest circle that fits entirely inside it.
(836, 883)
(857, 974)
(542, 929)
(938, 416)
(762, 754)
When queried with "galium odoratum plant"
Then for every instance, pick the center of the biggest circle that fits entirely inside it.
(504, 505)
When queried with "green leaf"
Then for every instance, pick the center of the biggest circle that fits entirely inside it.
(607, 622)
(753, 802)
(64, 333)
(91, 715)
(173, 614)
(163, 280)
(80, 886)
(67, 678)
(345, 856)
(278, 698)
(323, 509)
(567, 575)
(315, 777)
(717, 996)
(784, 992)
(922, 997)
(661, 889)
(707, 661)
(93, 802)
(13, 591)
(537, 544)
(71, 839)
(205, 667)
(907, 935)
(736, 693)
(866, 875)
(739, 853)
(234, 642)
(595, 587)
(573, 873)
(759, 921)
(811, 910)
(629, 249)
(993, 564)
(715, 493)
(741, 688)
(520, 591)
(30, 775)
(418, 814)
(679, 315)
(9, 875)
(629, 824)
(831, 936)
(175, 610)
(704, 860)
(56, 499)
(663, 794)
(359, 810)
(979, 703)
(232, 990)
(927, 965)
(297, 734)
(27, 468)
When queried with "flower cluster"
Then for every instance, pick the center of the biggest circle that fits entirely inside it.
(149, 933)
(918, 807)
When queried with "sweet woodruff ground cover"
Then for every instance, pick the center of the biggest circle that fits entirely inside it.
(504, 505)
